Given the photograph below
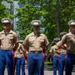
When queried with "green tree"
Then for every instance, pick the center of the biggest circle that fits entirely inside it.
(4, 12)
(35, 10)
(54, 15)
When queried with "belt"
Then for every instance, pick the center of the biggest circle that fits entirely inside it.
(36, 52)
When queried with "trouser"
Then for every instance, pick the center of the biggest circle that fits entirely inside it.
(13, 62)
(55, 64)
(20, 63)
(61, 63)
(35, 63)
(70, 61)
(6, 59)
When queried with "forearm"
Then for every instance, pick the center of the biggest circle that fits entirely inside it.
(45, 49)
(16, 46)
(26, 48)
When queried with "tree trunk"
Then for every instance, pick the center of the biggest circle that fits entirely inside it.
(57, 17)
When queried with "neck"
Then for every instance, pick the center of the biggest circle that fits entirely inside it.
(6, 30)
(36, 33)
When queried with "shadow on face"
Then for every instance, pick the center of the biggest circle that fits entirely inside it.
(36, 27)
(72, 28)
(6, 26)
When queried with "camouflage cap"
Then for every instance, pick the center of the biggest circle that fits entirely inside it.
(35, 22)
(6, 20)
(71, 22)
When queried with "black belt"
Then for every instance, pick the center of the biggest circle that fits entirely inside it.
(36, 52)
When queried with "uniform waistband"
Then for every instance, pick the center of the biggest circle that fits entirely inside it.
(36, 52)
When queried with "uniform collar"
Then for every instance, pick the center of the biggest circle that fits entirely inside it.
(35, 35)
(9, 32)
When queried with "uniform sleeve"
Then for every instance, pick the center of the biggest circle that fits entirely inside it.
(15, 38)
(18, 48)
(25, 42)
(53, 48)
(64, 39)
(46, 41)
(23, 48)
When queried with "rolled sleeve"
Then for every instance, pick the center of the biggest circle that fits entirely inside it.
(46, 41)
(64, 39)
(25, 42)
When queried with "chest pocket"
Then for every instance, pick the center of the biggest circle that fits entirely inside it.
(1, 38)
(71, 39)
(32, 40)
(41, 41)
(10, 39)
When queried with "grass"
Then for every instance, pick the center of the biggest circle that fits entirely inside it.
(48, 63)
